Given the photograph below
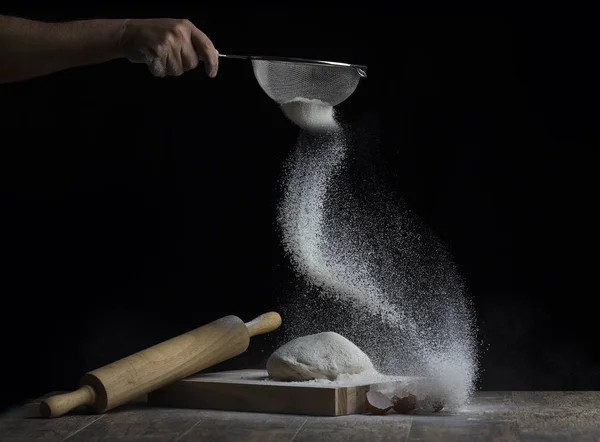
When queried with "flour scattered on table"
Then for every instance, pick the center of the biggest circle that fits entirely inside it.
(369, 269)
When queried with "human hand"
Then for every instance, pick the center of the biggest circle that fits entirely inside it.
(168, 46)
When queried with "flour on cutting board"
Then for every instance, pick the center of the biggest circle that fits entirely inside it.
(368, 268)
(261, 377)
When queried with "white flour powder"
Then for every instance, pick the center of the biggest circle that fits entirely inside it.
(310, 114)
(382, 279)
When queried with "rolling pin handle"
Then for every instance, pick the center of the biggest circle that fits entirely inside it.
(59, 404)
(265, 323)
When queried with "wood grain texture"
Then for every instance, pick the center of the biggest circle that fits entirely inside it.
(162, 364)
(391, 427)
(455, 428)
(24, 424)
(132, 423)
(491, 416)
(556, 415)
(245, 390)
(486, 418)
(63, 403)
(249, 427)
(265, 323)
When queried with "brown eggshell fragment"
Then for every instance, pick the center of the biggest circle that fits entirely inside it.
(377, 402)
(404, 404)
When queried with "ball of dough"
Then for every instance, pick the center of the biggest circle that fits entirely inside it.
(320, 356)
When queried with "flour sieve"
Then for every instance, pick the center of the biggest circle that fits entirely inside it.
(285, 79)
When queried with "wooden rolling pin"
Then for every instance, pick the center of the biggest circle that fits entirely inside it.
(161, 364)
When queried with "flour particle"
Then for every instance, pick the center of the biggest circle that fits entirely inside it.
(310, 114)
(369, 270)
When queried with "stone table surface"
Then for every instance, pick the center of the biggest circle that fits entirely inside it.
(491, 416)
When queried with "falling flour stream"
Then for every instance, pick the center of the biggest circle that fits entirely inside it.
(368, 269)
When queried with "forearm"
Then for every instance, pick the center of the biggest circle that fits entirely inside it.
(30, 48)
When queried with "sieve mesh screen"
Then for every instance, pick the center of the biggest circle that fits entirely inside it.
(284, 81)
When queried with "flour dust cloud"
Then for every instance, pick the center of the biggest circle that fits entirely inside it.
(310, 114)
(369, 270)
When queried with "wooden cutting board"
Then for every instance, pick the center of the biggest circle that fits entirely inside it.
(248, 390)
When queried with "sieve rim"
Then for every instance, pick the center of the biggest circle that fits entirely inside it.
(361, 69)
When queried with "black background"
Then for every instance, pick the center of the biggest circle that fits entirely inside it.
(135, 208)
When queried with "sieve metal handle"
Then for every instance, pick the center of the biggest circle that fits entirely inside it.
(239, 57)
(360, 69)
